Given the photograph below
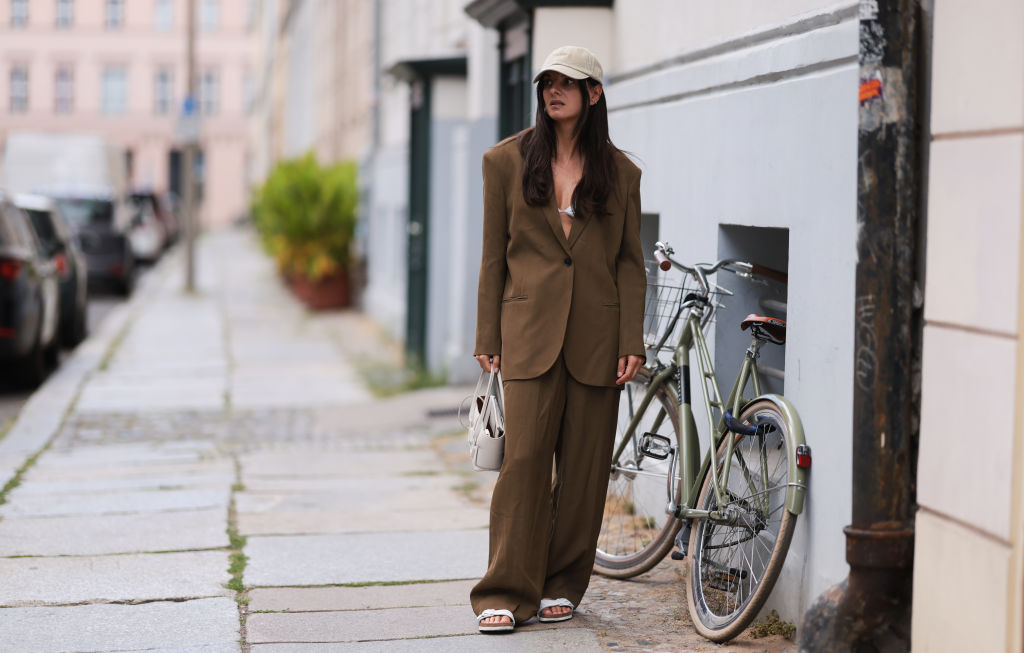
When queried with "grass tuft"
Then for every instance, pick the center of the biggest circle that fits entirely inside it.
(772, 625)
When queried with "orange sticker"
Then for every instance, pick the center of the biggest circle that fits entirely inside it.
(870, 89)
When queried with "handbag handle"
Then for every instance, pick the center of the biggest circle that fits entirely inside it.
(484, 390)
(500, 392)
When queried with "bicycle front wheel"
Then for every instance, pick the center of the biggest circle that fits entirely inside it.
(636, 530)
(734, 562)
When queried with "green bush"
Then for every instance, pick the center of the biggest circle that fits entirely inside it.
(306, 216)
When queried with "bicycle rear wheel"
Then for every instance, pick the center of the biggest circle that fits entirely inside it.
(636, 530)
(734, 565)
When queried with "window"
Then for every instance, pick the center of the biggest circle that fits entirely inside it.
(19, 89)
(515, 83)
(64, 90)
(19, 13)
(163, 15)
(65, 13)
(208, 91)
(115, 14)
(248, 91)
(209, 15)
(163, 92)
(251, 7)
(114, 89)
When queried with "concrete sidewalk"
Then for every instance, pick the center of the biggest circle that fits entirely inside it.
(209, 472)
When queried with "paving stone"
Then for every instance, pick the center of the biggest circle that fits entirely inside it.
(124, 454)
(139, 398)
(382, 494)
(317, 599)
(115, 503)
(314, 461)
(369, 520)
(209, 625)
(97, 471)
(77, 579)
(363, 625)
(527, 639)
(365, 557)
(92, 535)
(156, 481)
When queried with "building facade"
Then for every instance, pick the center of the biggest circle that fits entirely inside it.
(970, 521)
(118, 68)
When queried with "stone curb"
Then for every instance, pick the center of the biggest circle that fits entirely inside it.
(44, 412)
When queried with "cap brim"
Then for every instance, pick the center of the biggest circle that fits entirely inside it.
(568, 71)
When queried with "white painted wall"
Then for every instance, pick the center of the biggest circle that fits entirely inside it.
(764, 133)
(300, 100)
(584, 26)
(651, 32)
(419, 29)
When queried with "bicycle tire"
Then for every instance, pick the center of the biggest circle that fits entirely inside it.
(636, 531)
(723, 597)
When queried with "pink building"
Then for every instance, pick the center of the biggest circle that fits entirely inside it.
(117, 67)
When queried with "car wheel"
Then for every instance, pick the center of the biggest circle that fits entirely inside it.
(34, 367)
(126, 283)
(76, 330)
(81, 325)
(51, 355)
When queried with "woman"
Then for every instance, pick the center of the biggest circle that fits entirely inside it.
(560, 310)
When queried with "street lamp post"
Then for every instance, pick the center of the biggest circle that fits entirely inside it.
(191, 111)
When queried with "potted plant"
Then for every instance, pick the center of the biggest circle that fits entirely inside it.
(306, 216)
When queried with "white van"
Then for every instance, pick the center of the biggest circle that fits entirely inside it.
(86, 175)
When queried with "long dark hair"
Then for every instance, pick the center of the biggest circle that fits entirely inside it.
(537, 147)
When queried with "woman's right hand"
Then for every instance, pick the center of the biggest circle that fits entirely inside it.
(485, 362)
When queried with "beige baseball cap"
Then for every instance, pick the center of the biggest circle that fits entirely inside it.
(572, 61)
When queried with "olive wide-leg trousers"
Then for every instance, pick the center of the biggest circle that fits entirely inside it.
(543, 535)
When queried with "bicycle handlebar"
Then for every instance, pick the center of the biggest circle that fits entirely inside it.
(701, 271)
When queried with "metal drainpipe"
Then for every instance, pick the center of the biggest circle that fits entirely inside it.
(870, 610)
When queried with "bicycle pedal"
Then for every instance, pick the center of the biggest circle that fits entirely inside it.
(720, 577)
(656, 446)
(682, 542)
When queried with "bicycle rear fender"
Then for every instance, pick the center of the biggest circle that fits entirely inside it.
(798, 477)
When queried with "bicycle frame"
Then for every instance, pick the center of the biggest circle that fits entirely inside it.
(691, 473)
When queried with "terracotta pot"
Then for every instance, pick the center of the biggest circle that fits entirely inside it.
(329, 292)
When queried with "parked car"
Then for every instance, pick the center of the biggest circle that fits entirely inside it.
(148, 235)
(86, 175)
(59, 242)
(107, 249)
(29, 298)
(163, 207)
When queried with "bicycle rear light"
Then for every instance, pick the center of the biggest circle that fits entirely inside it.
(803, 456)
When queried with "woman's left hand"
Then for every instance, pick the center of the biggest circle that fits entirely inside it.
(627, 368)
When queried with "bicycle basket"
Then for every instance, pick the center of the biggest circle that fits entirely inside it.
(664, 313)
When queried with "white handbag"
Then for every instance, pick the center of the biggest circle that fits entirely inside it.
(487, 423)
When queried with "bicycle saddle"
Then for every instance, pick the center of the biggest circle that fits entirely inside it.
(771, 329)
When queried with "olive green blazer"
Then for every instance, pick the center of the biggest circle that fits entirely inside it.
(540, 293)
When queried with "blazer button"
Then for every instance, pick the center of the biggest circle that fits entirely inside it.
(568, 261)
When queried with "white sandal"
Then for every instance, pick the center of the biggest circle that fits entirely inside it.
(551, 603)
(496, 628)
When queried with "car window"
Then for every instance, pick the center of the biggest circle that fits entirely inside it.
(25, 234)
(8, 234)
(42, 222)
(83, 212)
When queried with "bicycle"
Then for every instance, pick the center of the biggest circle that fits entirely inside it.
(733, 520)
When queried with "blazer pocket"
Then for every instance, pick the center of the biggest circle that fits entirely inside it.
(516, 299)
(611, 304)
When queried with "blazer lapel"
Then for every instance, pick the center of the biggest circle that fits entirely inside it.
(555, 222)
(577, 228)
